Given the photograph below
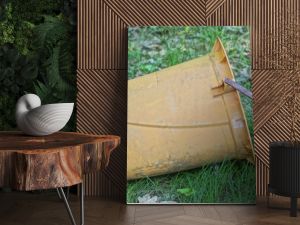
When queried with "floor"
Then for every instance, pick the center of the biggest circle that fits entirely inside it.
(45, 209)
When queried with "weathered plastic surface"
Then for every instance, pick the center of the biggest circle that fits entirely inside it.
(182, 117)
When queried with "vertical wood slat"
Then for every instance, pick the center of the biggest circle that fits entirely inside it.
(102, 47)
(262, 177)
(102, 42)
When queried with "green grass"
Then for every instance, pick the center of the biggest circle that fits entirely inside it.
(151, 49)
(226, 182)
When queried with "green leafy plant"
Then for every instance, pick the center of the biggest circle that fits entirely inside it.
(33, 10)
(7, 118)
(13, 30)
(17, 73)
(56, 62)
(54, 44)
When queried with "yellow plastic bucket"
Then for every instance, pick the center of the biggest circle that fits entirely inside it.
(184, 117)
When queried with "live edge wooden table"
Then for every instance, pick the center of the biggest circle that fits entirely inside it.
(52, 162)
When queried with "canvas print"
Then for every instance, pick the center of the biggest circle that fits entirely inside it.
(190, 128)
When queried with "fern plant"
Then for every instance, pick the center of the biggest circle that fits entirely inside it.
(55, 48)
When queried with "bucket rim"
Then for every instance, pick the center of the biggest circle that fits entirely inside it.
(219, 47)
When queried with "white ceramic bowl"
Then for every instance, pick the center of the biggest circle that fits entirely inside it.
(40, 120)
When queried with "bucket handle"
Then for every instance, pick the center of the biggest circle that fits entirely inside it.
(233, 85)
(238, 87)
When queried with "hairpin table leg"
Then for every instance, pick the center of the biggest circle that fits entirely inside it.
(81, 204)
(62, 195)
(67, 191)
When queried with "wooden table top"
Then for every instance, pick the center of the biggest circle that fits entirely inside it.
(16, 141)
(57, 160)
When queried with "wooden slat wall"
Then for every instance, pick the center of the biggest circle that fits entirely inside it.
(102, 64)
